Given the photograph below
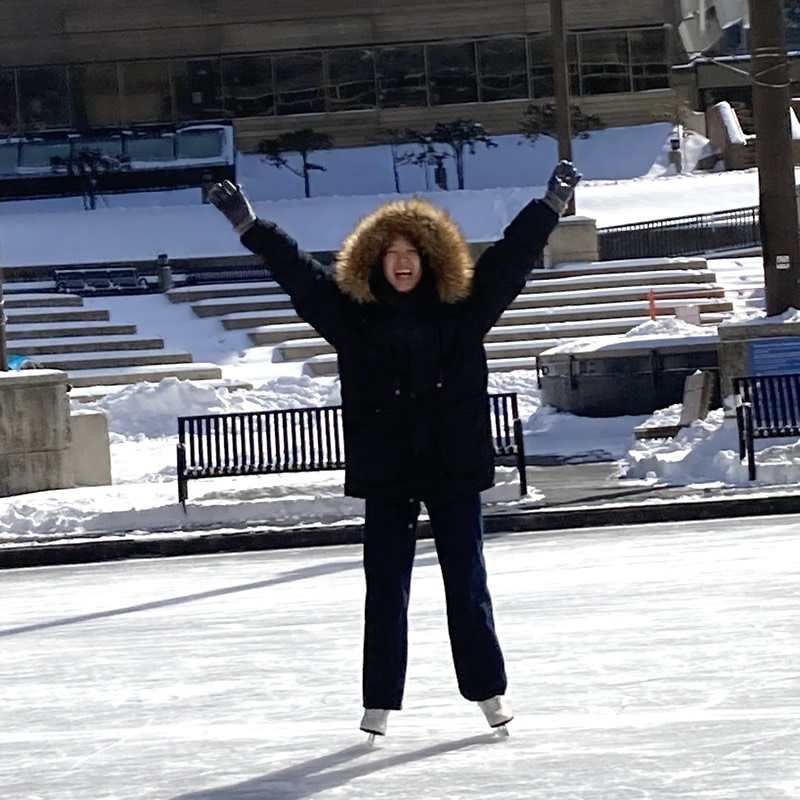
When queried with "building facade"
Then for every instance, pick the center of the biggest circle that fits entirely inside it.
(349, 68)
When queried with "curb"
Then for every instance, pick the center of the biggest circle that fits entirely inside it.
(534, 521)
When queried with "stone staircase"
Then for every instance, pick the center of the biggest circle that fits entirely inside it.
(59, 333)
(556, 305)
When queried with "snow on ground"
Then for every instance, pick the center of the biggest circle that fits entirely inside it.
(142, 418)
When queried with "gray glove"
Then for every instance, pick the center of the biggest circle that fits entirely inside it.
(231, 201)
(561, 186)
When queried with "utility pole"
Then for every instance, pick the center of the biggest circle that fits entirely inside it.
(778, 198)
(561, 87)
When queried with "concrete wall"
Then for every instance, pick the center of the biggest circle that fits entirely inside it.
(37, 32)
(34, 432)
(574, 240)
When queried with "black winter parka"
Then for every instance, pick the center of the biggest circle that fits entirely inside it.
(412, 366)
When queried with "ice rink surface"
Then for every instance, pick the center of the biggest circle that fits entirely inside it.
(656, 662)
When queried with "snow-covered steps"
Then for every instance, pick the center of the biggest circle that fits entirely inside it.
(112, 359)
(235, 305)
(638, 265)
(27, 316)
(154, 373)
(48, 330)
(210, 291)
(281, 332)
(659, 279)
(83, 344)
(42, 300)
(256, 319)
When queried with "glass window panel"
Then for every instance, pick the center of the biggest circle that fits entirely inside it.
(43, 97)
(247, 86)
(605, 66)
(502, 69)
(39, 153)
(649, 59)
(94, 90)
(298, 83)
(351, 80)
(541, 60)
(198, 89)
(146, 92)
(452, 74)
(401, 77)
(9, 156)
(204, 143)
(151, 147)
(8, 103)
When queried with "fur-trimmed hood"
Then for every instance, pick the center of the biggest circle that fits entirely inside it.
(443, 248)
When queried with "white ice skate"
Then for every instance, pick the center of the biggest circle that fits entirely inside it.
(374, 722)
(497, 713)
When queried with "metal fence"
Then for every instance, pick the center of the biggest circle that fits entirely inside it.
(682, 236)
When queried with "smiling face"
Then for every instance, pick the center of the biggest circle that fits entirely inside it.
(402, 265)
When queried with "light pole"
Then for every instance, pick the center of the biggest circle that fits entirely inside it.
(778, 198)
(561, 87)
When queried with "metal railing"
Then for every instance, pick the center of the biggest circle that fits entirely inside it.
(682, 236)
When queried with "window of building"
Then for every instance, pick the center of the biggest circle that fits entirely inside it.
(247, 86)
(351, 80)
(298, 83)
(9, 123)
(198, 89)
(43, 97)
(502, 69)
(202, 143)
(401, 77)
(452, 74)
(649, 59)
(146, 92)
(40, 153)
(150, 146)
(540, 50)
(95, 95)
(9, 157)
(605, 63)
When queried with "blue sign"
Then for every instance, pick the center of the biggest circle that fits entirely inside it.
(777, 356)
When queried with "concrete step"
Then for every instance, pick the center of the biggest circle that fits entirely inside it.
(281, 332)
(573, 269)
(570, 329)
(210, 291)
(257, 319)
(219, 308)
(57, 316)
(618, 280)
(90, 394)
(326, 364)
(613, 295)
(152, 374)
(305, 349)
(94, 361)
(83, 344)
(48, 330)
(600, 311)
(42, 300)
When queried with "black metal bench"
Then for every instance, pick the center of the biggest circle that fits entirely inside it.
(93, 281)
(767, 407)
(303, 440)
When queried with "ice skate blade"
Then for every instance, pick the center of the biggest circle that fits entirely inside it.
(371, 739)
(501, 731)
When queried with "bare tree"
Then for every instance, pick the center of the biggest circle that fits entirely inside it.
(89, 164)
(460, 136)
(394, 137)
(303, 142)
(540, 120)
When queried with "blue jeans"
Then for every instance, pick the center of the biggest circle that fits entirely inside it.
(389, 546)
